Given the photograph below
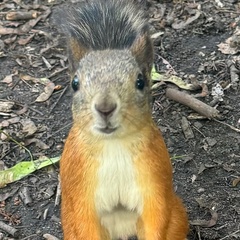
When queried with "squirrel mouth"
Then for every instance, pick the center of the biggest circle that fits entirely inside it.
(107, 130)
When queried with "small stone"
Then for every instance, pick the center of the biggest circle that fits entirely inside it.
(201, 190)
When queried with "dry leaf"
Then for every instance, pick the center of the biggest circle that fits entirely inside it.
(48, 90)
(183, 24)
(8, 79)
(50, 237)
(232, 44)
(186, 128)
(6, 106)
(7, 122)
(22, 111)
(236, 182)
(29, 127)
(43, 81)
(38, 143)
(58, 87)
(207, 223)
(24, 41)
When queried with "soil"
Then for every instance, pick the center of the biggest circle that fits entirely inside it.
(206, 163)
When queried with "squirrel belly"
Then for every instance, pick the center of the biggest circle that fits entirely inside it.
(115, 171)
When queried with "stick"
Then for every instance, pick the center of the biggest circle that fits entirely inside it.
(11, 16)
(193, 103)
(11, 230)
(24, 194)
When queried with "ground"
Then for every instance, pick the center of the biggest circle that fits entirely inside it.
(206, 160)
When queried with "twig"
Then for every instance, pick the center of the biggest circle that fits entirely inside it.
(195, 104)
(59, 130)
(33, 235)
(54, 105)
(18, 143)
(199, 233)
(58, 194)
(11, 230)
(226, 124)
(19, 15)
(230, 235)
(56, 72)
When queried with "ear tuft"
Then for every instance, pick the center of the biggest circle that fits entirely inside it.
(76, 50)
(142, 50)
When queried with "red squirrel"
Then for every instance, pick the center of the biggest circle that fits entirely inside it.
(115, 170)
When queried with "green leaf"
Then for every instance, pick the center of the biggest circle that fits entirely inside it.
(172, 79)
(23, 169)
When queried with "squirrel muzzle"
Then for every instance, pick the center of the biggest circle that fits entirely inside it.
(105, 110)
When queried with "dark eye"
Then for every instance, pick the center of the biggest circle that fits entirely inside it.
(140, 83)
(75, 83)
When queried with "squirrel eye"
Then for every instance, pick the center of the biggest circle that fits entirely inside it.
(75, 83)
(140, 83)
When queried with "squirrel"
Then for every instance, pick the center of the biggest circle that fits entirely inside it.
(115, 170)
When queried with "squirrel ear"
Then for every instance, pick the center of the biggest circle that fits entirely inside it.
(75, 53)
(142, 50)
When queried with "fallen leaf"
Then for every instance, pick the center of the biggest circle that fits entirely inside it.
(4, 196)
(6, 123)
(38, 143)
(8, 79)
(48, 90)
(58, 87)
(201, 168)
(23, 169)
(43, 81)
(236, 182)
(172, 79)
(206, 223)
(186, 128)
(29, 127)
(6, 106)
(232, 44)
(22, 111)
(183, 24)
(50, 237)
(24, 41)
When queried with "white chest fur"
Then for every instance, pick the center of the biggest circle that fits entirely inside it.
(118, 199)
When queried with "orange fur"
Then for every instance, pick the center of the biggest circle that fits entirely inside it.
(163, 216)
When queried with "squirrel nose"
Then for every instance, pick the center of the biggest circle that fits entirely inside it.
(105, 109)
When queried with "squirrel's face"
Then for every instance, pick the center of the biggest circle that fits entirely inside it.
(112, 94)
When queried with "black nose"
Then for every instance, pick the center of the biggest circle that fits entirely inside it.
(105, 109)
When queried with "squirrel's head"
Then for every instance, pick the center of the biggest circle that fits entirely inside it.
(110, 57)
(112, 94)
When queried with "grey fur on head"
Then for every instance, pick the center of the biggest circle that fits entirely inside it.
(103, 24)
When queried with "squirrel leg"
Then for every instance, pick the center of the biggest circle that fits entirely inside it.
(178, 224)
(161, 223)
(153, 222)
(80, 228)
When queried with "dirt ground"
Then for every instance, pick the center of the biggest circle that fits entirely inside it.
(205, 153)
